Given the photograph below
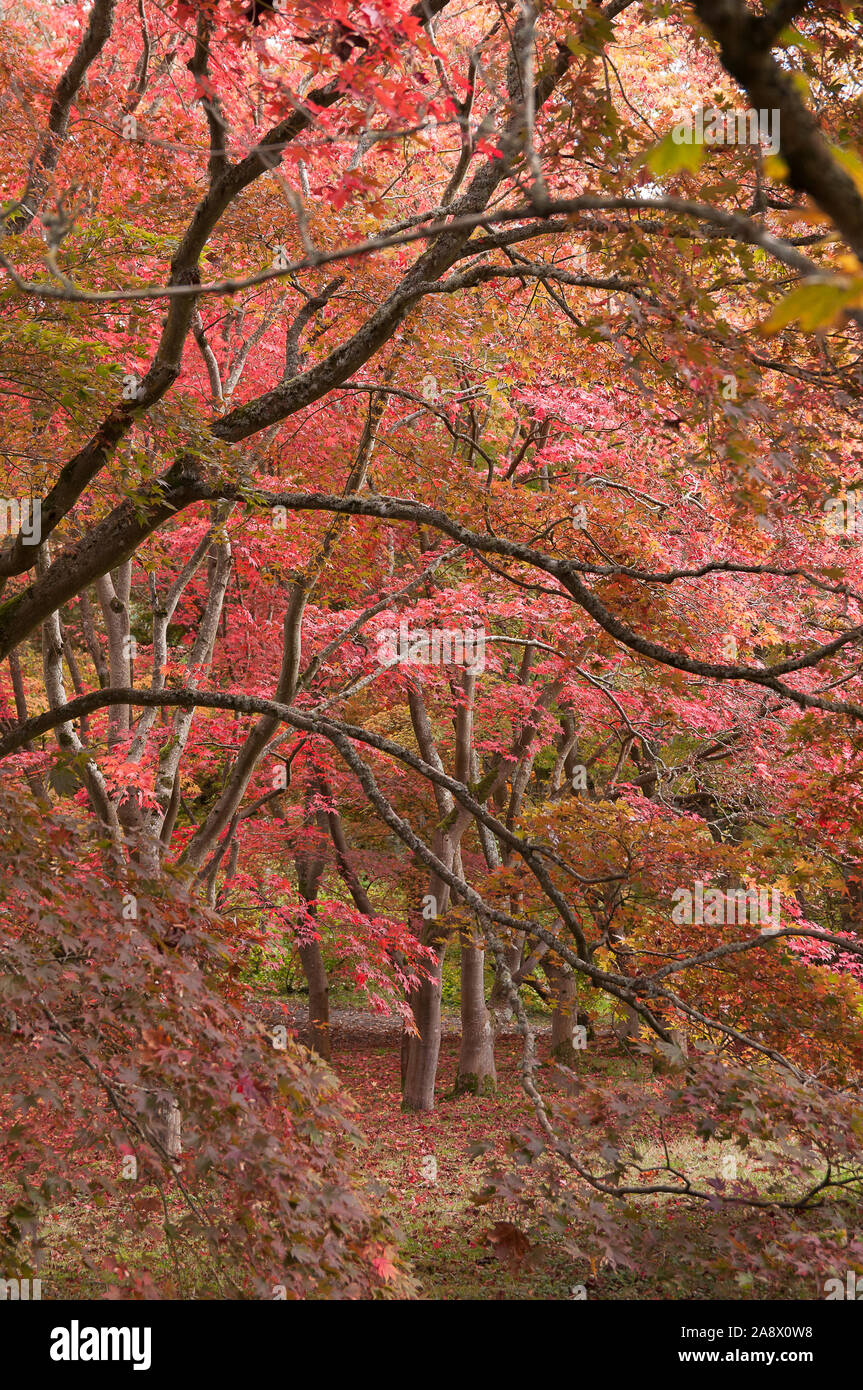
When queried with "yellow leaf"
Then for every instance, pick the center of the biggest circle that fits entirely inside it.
(815, 304)
(776, 168)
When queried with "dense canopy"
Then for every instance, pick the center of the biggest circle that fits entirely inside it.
(431, 579)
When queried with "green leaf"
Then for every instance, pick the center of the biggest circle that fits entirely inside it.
(669, 157)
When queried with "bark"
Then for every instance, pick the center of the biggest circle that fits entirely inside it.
(566, 759)
(420, 1052)
(500, 1008)
(315, 972)
(113, 594)
(566, 1013)
(163, 610)
(94, 646)
(476, 1069)
(310, 868)
(167, 1126)
(18, 686)
(101, 548)
(75, 674)
(67, 737)
(144, 826)
(331, 822)
(745, 40)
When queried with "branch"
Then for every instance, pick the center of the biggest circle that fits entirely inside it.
(44, 161)
(745, 41)
(731, 224)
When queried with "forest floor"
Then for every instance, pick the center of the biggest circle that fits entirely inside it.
(459, 1250)
(455, 1248)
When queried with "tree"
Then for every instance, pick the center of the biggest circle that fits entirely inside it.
(402, 389)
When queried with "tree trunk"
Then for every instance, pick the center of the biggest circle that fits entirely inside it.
(476, 1070)
(319, 999)
(500, 1007)
(566, 1015)
(310, 868)
(420, 1054)
(168, 1125)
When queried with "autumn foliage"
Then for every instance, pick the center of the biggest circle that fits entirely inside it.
(431, 542)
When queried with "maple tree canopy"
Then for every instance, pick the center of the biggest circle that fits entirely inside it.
(430, 540)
